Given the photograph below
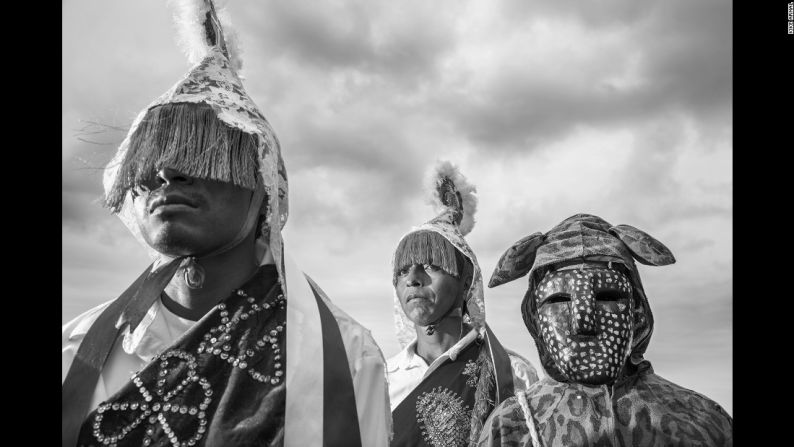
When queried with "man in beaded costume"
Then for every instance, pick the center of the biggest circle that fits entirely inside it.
(591, 321)
(222, 340)
(452, 370)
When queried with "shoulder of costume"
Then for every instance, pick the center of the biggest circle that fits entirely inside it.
(506, 409)
(519, 362)
(517, 358)
(681, 393)
(79, 326)
(544, 386)
(354, 334)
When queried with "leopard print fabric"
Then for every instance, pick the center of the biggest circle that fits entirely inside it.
(645, 410)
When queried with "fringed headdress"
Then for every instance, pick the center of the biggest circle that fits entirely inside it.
(205, 126)
(441, 242)
(208, 127)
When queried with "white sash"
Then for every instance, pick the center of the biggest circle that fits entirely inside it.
(303, 424)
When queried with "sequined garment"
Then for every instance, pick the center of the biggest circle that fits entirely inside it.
(644, 410)
(444, 417)
(222, 383)
(471, 371)
(438, 412)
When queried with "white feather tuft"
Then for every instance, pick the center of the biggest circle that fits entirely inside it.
(445, 169)
(189, 16)
(230, 36)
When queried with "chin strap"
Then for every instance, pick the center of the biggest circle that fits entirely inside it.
(455, 311)
(430, 329)
(193, 273)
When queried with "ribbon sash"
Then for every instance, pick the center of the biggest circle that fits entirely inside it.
(78, 387)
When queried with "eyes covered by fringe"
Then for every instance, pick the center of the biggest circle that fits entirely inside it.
(189, 138)
(429, 247)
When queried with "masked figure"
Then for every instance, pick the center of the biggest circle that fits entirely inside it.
(222, 340)
(588, 313)
(452, 370)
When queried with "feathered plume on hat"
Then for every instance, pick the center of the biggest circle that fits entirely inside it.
(201, 26)
(205, 126)
(440, 241)
(452, 196)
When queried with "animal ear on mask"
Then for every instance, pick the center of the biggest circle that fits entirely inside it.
(517, 260)
(643, 246)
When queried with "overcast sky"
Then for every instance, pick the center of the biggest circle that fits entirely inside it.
(616, 108)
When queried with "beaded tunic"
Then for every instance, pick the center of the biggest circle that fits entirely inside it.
(438, 411)
(222, 382)
(448, 407)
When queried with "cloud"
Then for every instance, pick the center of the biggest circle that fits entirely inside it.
(594, 15)
(395, 40)
(610, 64)
(80, 197)
(94, 269)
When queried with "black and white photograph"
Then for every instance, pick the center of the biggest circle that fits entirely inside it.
(371, 223)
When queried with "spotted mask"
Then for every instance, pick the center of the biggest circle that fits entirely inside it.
(586, 320)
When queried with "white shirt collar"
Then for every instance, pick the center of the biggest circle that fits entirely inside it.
(158, 329)
(409, 359)
(405, 359)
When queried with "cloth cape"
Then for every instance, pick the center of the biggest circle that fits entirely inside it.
(310, 410)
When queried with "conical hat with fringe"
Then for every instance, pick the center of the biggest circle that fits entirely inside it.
(212, 80)
(454, 199)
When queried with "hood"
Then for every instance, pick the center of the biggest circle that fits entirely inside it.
(583, 237)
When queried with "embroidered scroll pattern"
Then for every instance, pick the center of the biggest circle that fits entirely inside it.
(471, 371)
(443, 418)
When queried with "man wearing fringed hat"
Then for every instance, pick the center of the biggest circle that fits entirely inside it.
(452, 370)
(222, 341)
(591, 321)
